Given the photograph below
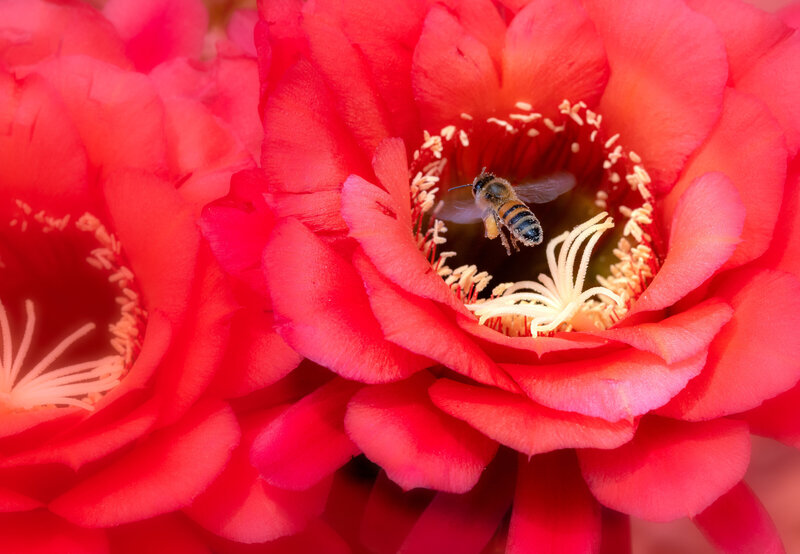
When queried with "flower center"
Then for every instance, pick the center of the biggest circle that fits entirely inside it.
(600, 248)
(71, 318)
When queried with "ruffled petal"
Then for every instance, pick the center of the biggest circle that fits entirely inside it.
(35, 29)
(775, 79)
(452, 72)
(748, 146)
(620, 385)
(678, 337)
(754, 356)
(133, 487)
(518, 423)
(553, 509)
(402, 316)
(465, 523)
(41, 532)
(553, 52)
(737, 522)
(748, 31)
(303, 275)
(158, 30)
(167, 533)
(772, 418)
(668, 73)
(306, 442)
(670, 469)
(706, 226)
(398, 428)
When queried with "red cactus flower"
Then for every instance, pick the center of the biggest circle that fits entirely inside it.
(626, 359)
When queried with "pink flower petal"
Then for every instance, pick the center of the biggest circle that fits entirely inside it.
(306, 442)
(620, 385)
(401, 317)
(775, 79)
(42, 164)
(678, 337)
(168, 533)
(748, 31)
(705, 231)
(782, 253)
(240, 506)
(553, 509)
(748, 146)
(13, 501)
(753, 357)
(465, 523)
(670, 469)
(737, 522)
(518, 423)
(303, 275)
(552, 52)
(790, 14)
(668, 72)
(398, 428)
(164, 473)
(36, 29)
(452, 72)
(41, 532)
(772, 418)
(158, 30)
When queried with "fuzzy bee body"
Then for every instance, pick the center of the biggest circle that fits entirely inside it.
(500, 205)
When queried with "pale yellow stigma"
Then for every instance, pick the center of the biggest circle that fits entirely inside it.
(557, 297)
(71, 385)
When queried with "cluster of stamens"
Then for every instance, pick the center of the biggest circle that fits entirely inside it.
(558, 301)
(82, 384)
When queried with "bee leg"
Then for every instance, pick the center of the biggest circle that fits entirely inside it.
(491, 227)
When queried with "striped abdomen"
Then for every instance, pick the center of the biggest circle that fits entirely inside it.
(521, 222)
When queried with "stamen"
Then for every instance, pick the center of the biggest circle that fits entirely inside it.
(559, 296)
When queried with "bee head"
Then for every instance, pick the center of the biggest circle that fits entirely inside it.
(481, 181)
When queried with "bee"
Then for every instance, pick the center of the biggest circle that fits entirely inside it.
(500, 204)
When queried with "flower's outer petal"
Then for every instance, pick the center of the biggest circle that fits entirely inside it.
(322, 310)
(13, 501)
(165, 261)
(615, 537)
(790, 15)
(165, 472)
(748, 31)
(465, 523)
(553, 52)
(515, 421)
(677, 337)
(35, 29)
(167, 533)
(43, 164)
(92, 443)
(318, 537)
(616, 386)
(770, 418)
(706, 226)
(668, 72)
(747, 145)
(390, 514)
(452, 72)
(256, 355)
(737, 522)
(398, 427)
(782, 253)
(306, 442)
(553, 509)
(775, 79)
(419, 325)
(347, 76)
(375, 219)
(753, 358)
(241, 218)
(118, 113)
(157, 30)
(240, 506)
(670, 469)
(41, 532)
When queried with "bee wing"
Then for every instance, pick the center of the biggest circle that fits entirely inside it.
(545, 189)
(459, 211)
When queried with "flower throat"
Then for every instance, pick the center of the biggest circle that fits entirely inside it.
(602, 230)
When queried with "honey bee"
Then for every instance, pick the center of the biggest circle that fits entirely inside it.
(500, 204)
